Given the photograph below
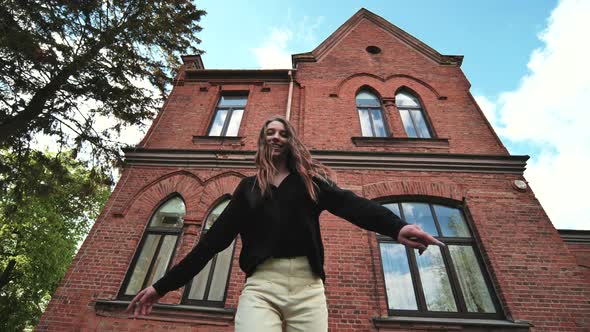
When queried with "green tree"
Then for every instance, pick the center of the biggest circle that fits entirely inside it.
(47, 204)
(66, 63)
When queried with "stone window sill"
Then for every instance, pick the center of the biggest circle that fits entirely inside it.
(445, 324)
(219, 140)
(402, 142)
(170, 312)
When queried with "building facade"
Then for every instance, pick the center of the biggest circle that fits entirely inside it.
(396, 121)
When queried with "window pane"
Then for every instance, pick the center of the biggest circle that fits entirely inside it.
(218, 122)
(420, 124)
(213, 215)
(365, 122)
(435, 281)
(163, 258)
(398, 279)
(419, 214)
(451, 222)
(229, 101)
(234, 124)
(219, 281)
(143, 264)
(476, 293)
(404, 99)
(367, 99)
(394, 207)
(378, 123)
(199, 283)
(170, 214)
(408, 124)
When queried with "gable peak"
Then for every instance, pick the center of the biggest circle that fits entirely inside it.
(329, 43)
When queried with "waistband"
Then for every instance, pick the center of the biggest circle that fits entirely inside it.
(297, 267)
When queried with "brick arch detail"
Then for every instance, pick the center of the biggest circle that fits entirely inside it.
(380, 83)
(414, 188)
(184, 183)
(216, 187)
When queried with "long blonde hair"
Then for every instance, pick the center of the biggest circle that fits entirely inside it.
(298, 160)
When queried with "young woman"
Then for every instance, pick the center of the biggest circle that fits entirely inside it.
(276, 213)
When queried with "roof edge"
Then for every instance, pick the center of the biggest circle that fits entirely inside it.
(332, 40)
(193, 61)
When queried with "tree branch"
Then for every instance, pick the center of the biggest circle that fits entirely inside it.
(20, 122)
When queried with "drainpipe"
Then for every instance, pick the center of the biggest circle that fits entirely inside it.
(290, 95)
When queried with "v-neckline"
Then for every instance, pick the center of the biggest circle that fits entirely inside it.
(282, 181)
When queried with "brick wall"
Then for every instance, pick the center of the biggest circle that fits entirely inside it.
(536, 277)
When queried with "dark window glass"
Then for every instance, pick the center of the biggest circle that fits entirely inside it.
(448, 281)
(228, 116)
(157, 247)
(411, 114)
(370, 115)
(209, 286)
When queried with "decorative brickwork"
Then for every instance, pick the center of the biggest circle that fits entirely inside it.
(540, 282)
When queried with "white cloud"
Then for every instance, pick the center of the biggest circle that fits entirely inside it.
(274, 53)
(489, 109)
(550, 111)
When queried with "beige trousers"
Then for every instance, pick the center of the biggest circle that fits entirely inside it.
(283, 292)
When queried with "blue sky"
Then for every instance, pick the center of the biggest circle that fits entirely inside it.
(496, 37)
(524, 59)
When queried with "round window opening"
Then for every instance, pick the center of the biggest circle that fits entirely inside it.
(373, 49)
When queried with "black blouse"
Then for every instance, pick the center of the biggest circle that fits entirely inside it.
(283, 223)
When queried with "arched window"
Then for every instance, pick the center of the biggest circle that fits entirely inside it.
(412, 116)
(157, 247)
(448, 281)
(370, 114)
(210, 285)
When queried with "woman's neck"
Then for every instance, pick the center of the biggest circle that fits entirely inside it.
(281, 165)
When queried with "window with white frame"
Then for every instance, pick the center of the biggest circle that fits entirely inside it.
(412, 115)
(370, 115)
(228, 115)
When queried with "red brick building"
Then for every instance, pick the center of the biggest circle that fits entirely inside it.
(397, 122)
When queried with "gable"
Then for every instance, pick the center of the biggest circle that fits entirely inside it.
(364, 16)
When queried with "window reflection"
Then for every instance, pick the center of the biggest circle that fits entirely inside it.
(475, 292)
(435, 281)
(451, 222)
(448, 281)
(370, 115)
(228, 116)
(420, 214)
(157, 246)
(412, 115)
(398, 279)
(209, 286)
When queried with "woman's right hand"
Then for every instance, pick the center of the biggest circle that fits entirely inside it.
(142, 302)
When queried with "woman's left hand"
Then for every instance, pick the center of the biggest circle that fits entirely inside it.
(414, 237)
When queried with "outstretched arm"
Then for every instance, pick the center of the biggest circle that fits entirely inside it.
(372, 216)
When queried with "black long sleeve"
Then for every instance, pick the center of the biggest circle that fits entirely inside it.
(360, 211)
(281, 224)
(218, 237)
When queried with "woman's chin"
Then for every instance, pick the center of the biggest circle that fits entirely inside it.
(277, 154)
